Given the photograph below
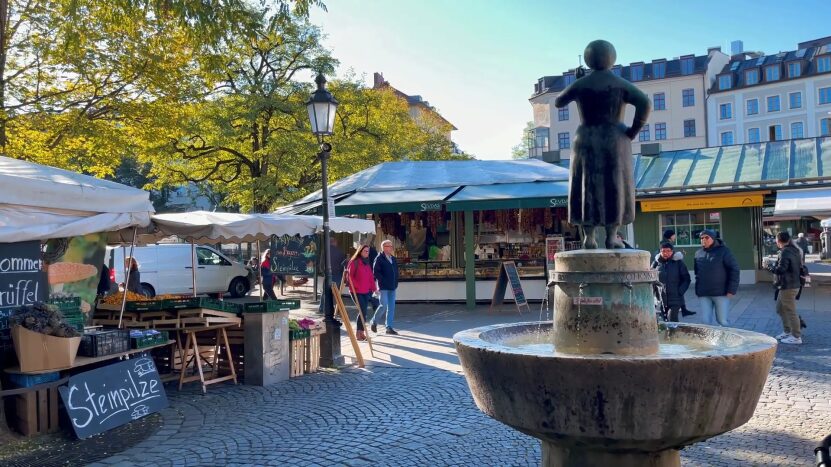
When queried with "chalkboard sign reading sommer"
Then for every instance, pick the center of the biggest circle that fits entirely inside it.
(22, 282)
(102, 399)
(294, 256)
(508, 274)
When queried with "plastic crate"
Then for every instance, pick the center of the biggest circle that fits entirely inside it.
(140, 339)
(180, 303)
(292, 304)
(77, 322)
(298, 335)
(265, 307)
(22, 380)
(219, 305)
(68, 303)
(143, 305)
(107, 342)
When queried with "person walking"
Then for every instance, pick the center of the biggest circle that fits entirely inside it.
(267, 276)
(362, 284)
(716, 278)
(787, 270)
(678, 255)
(134, 281)
(802, 243)
(675, 278)
(386, 273)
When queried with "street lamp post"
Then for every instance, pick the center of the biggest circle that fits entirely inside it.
(322, 107)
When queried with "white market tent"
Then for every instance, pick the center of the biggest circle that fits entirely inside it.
(39, 202)
(825, 222)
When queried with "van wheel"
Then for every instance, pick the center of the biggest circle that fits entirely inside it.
(238, 288)
(148, 289)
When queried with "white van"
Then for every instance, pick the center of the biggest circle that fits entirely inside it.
(167, 269)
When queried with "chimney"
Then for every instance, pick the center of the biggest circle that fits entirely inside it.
(713, 49)
(377, 80)
(736, 47)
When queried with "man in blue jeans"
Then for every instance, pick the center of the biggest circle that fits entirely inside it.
(716, 278)
(385, 268)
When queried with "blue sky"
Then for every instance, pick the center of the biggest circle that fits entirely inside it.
(477, 61)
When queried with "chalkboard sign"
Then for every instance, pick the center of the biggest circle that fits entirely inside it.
(294, 256)
(22, 282)
(508, 274)
(107, 397)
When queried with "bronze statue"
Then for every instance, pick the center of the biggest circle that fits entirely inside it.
(602, 181)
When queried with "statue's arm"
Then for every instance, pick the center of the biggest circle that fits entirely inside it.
(640, 101)
(568, 95)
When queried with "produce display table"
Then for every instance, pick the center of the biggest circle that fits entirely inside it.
(197, 358)
(84, 361)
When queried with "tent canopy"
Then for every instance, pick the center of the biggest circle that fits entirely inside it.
(805, 202)
(35, 202)
(204, 226)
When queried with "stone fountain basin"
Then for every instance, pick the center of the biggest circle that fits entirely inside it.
(618, 403)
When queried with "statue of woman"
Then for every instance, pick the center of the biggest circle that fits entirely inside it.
(601, 184)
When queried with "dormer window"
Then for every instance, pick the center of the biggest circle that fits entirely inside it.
(794, 69)
(659, 69)
(616, 70)
(687, 65)
(569, 78)
(725, 82)
(772, 73)
(751, 76)
(824, 64)
(636, 72)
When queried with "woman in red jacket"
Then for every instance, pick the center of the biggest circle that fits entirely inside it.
(361, 283)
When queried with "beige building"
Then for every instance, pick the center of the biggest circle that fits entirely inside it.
(420, 110)
(676, 88)
(758, 98)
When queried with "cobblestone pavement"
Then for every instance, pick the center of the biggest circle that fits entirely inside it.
(411, 405)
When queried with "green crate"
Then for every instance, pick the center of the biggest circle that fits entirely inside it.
(268, 306)
(148, 341)
(76, 322)
(143, 305)
(301, 334)
(68, 303)
(219, 305)
(292, 304)
(180, 303)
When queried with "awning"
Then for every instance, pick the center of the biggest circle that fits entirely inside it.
(808, 202)
(510, 195)
(364, 202)
(298, 209)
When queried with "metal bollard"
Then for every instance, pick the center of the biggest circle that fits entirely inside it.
(822, 454)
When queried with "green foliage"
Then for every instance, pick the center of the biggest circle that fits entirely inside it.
(521, 150)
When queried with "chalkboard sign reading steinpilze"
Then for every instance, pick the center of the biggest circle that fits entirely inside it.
(107, 397)
(293, 255)
(22, 282)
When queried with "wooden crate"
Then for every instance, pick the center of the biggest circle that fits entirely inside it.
(312, 360)
(297, 355)
(36, 412)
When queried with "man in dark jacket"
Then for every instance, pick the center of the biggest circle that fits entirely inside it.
(675, 280)
(385, 268)
(787, 270)
(716, 278)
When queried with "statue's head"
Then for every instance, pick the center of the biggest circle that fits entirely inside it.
(600, 55)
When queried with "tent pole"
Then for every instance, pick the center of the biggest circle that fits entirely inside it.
(126, 276)
(260, 271)
(193, 266)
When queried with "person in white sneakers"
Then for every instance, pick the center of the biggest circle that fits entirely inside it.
(787, 284)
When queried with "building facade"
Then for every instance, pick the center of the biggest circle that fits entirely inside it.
(420, 110)
(757, 98)
(677, 89)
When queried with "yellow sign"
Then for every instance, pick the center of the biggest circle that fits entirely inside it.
(709, 201)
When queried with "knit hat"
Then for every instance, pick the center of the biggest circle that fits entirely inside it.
(708, 233)
(668, 233)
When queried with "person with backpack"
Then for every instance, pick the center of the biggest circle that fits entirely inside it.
(675, 280)
(788, 270)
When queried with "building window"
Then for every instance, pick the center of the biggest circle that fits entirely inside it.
(824, 96)
(688, 97)
(659, 101)
(751, 76)
(794, 70)
(775, 133)
(659, 70)
(727, 138)
(825, 127)
(687, 65)
(636, 72)
(725, 111)
(795, 100)
(689, 128)
(773, 104)
(688, 225)
(562, 114)
(772, 73)
(725, 82)
(616, 70)
(538, 141)
(797, 130)
(569, 78)
(660, 131)
(752, 106)
(563, 140)
(823, 64)
(644, 133)
(753, 135)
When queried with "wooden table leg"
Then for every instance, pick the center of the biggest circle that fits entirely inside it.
(228, 354)
(198, 362)
(185, 361)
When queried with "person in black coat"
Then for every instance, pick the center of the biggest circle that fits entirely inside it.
(788, 283)
(670, 237)
(675, 280)
(385, 268)
(716, 278)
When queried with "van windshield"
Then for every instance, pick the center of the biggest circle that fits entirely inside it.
(206, 257)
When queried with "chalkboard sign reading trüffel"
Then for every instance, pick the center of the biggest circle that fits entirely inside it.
(22, 282)
(102, 399)
(508, 274)
(293, 255)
